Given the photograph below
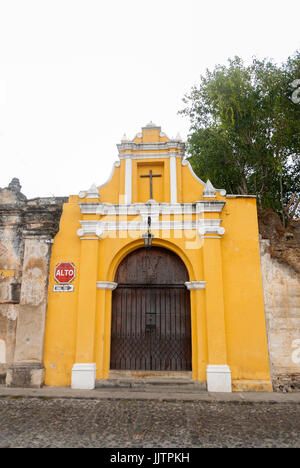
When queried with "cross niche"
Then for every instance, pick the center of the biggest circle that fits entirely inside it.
(150, 177)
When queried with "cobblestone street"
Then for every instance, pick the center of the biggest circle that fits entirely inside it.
(57, 422)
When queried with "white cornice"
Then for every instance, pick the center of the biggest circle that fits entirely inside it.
(240, 196)
(89, 228)
(143, 156)
(212, 206)
(135, 147)
(97, 228)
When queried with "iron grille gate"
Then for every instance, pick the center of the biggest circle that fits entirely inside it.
(151, 328)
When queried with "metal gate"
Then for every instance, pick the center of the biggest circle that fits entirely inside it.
(151, 324)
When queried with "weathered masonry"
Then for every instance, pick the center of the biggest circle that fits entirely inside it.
(155, 271)
(281, 285)
(27, 229)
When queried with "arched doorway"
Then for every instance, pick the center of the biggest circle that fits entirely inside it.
(151, 317)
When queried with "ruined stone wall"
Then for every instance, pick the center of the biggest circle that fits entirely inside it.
(282, 308)
(27, 228)
(11, 254)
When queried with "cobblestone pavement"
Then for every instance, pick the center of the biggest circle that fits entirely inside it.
(57, 422)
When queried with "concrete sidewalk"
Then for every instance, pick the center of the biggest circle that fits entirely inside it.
(153, 394)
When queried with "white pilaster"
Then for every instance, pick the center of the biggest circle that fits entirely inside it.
(218, 378)
(173, 179)
(128, 181)
(84, 376)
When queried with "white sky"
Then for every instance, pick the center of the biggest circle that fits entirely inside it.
(76, 74)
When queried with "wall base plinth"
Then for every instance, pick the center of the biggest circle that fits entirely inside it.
(252, 386)
(218, 378)
(26, 374)
(84, 376)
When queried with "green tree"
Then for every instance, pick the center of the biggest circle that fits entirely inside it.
(245, 130)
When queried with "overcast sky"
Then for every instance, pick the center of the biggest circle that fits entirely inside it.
(75, 75)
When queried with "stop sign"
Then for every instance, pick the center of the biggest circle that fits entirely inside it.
(64, 272)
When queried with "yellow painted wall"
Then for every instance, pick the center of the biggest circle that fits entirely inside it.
(61, 324)
(231, 327)
(243, 293)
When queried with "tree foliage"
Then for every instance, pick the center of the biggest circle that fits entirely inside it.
(245, 129)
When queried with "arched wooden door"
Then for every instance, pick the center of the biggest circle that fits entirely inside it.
(151, 319)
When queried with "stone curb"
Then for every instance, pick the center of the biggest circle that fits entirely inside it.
(100, 394)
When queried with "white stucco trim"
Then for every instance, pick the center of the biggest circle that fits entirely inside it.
(97, 228)
(84, 376)
(128, 181)
(195, 284)
(210, 191)
(92, 192)
(106, 285)
(150, 155)
(173, 179)
(163, 146)
(211, 230)
(240, 196)
(90, 238)
(212, 206)
(210, 226)
(94, 229)
(218, 378)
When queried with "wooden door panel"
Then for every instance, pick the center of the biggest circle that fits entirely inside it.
(151, 323)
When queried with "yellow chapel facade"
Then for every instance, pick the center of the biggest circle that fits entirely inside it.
(166, 277)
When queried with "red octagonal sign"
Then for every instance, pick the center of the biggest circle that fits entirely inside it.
(64, 272)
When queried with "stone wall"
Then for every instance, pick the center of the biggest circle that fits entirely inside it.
(27, 228)
(282, 308)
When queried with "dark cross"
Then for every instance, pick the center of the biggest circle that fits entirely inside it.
(150, 176)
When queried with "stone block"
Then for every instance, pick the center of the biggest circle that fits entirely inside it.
(84, 376)
(218, 378)
(27, 375)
